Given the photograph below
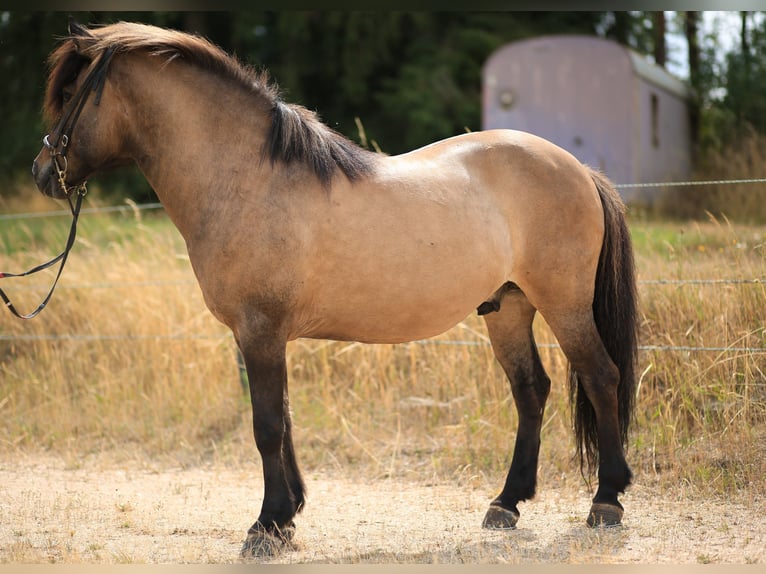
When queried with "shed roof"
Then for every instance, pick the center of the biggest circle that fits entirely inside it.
(657, 75)
(642, 66)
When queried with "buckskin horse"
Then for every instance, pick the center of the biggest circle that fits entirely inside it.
(294, 231)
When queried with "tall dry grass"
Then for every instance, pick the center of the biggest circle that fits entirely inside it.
(740, 159)
(153, 374)
(110, 363)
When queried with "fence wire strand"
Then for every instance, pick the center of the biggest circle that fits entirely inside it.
(58, 213)
(690, 183)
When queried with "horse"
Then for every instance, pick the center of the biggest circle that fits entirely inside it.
(294, 231)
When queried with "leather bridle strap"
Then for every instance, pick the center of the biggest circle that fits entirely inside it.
(94, 82)
(62, 257)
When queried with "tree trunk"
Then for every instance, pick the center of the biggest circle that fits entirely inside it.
(660, 48)
(621, 27)
(691, 27)
(743, 35)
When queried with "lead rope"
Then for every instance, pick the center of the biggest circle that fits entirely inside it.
(62, 257)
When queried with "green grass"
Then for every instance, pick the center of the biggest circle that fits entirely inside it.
(41, 234)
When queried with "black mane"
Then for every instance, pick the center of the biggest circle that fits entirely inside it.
(297, 135)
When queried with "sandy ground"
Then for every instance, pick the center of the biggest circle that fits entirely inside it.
(96, 513)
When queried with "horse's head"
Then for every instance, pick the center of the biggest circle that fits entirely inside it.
(82, 118)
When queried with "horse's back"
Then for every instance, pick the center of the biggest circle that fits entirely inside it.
(546, 197)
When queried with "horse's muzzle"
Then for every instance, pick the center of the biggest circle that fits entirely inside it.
(46, 179)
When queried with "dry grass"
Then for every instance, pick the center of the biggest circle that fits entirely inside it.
(743, 158)
(156, 375)
(701, 413)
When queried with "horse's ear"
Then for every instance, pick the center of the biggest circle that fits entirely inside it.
(77, 30)
(80, 35)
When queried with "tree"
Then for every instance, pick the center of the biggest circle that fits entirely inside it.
(659, 31)
(25, 40)
(634, 29)
(746, 77)
(692, 40)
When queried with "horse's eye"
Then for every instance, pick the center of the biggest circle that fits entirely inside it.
(66, 95)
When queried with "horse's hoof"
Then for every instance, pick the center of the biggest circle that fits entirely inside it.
(499, 518)
(263, 543)
(604, 515)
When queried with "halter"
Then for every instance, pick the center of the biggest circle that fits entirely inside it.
(94, 82)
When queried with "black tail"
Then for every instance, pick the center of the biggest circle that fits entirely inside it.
(616, 315)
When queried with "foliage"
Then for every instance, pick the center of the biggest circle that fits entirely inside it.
(410, 77)
(25, 41)
(734, 88)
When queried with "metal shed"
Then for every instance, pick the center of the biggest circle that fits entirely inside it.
(606, 104)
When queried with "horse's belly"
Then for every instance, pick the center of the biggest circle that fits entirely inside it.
(397, 301)
(376, 325)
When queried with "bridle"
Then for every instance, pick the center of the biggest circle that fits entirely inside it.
(94, 82)
(57, 146)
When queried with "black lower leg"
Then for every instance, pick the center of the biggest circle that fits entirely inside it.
(530, 391)
(513, 343)
(614, 475)
(292, 473)
(267, 374)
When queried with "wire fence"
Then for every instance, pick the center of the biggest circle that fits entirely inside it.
(424, 342)
(436, 342)
(133, 207)
(691, 183)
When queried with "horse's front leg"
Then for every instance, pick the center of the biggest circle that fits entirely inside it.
(283, 494)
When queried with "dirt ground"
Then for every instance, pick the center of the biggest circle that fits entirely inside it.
(90, 512)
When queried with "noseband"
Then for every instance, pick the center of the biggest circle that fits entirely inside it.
(94, 82)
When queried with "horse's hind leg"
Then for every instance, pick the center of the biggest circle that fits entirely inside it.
(596, 412)
(510, 331)
(283, 486)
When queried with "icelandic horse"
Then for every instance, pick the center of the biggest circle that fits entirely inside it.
(294, 231)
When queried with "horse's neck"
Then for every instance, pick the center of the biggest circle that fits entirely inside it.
(195, 141)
